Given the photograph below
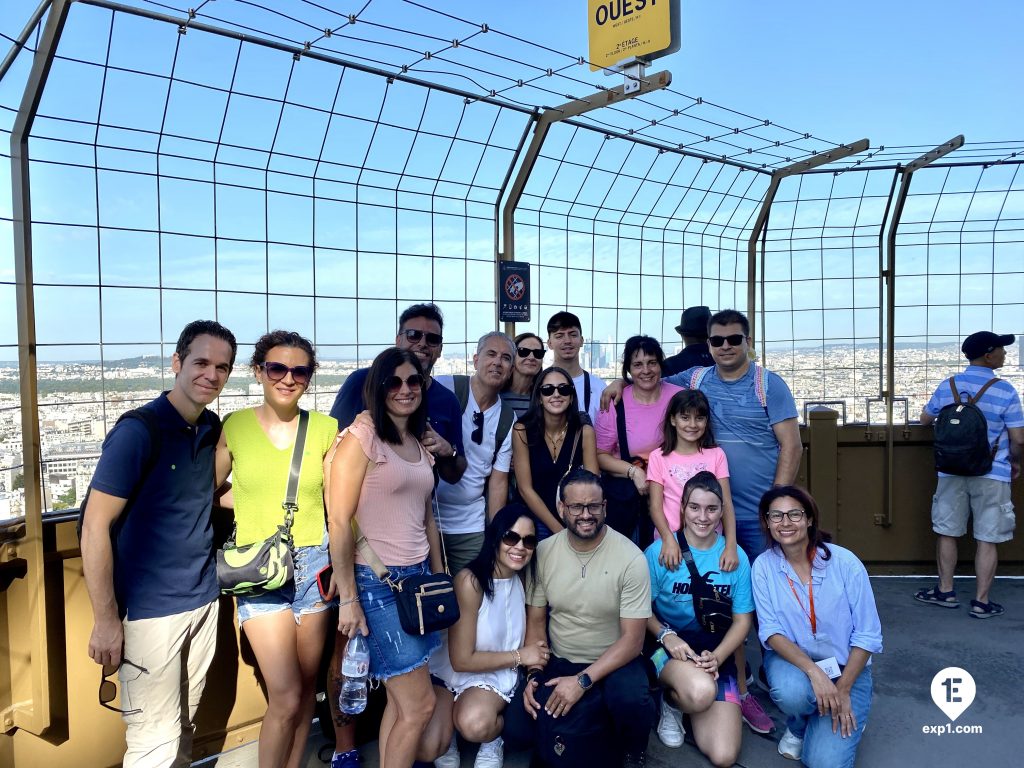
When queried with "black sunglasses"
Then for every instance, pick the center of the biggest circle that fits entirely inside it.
(394, 383)
(734, 339)
(547, 390)
(108, 691)
(526, 352)
(301, 374)
(414, 336)
(512, 538)
(477, 435)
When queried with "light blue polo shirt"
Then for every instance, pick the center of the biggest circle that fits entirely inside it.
(1000, 404)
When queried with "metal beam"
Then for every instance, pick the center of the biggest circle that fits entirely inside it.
(22, 39)
(889, 273)
(546, 119)
(34, 715)
(760, 228)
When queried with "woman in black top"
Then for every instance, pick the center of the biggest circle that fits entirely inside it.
(548, 440)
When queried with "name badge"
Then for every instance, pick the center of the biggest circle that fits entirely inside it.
(830, 667)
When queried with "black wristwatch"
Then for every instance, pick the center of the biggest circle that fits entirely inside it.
(584, 680)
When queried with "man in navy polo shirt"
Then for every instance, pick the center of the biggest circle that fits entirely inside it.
(147, 551)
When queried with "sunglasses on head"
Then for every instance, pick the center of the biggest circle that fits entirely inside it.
(301, 374)
(526, 352)
(734, 339)
(547, 390)
(394, 383)
(512, 538)
(414, 336)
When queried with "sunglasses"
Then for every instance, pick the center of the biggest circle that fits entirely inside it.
(414, 336)
(512, 538)
(477, 435)
(734, 339)
(526, 352)
(301, 374)
(394, 383)
(108, 690)
(547, 390)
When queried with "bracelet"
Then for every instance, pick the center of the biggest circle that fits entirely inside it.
(348, 602)
(518, 659)
(630, 471)
(665, 632)
(532, 674)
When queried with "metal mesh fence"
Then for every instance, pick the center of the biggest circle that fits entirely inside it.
(292, 166)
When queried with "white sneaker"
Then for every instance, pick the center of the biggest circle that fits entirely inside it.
(491, 754)
(451, 758)
(670, 726)
(790, 746)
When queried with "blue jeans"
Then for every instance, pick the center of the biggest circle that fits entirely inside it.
(792, 693)
(750, 537)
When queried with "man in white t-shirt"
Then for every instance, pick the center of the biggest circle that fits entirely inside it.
(565, 339)
(466, 506)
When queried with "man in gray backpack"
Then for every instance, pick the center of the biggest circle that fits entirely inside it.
(466, 506)
(974, 479)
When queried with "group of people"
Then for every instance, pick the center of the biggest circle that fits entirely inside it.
(581, 521)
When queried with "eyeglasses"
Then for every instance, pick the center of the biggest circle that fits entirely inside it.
(414, 336)
(108, 691)
(526, 352)
(301, 374)
(477, 435)
(547, 390)
(394, 383)
(776, 515)
(512, 538)
(578, 509)
(734, 339)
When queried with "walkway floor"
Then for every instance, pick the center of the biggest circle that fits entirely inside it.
(920, 640)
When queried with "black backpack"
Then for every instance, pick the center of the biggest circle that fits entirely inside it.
(961, 436)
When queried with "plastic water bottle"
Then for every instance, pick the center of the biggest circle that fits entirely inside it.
(355, 668)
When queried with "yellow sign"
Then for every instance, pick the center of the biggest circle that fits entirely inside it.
(621, 30)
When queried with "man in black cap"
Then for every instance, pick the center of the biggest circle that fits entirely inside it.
(966, 487)
(693, 327)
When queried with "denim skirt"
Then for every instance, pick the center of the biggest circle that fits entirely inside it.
(393, 651)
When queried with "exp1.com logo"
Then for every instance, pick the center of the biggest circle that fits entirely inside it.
(953, 691)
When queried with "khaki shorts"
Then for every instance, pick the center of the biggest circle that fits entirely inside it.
(988, 500)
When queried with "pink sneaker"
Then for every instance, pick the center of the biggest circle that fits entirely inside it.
(754, 715)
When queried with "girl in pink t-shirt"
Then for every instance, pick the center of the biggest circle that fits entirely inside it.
(688, 448)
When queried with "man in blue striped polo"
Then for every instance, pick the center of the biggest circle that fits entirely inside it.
(986, 496)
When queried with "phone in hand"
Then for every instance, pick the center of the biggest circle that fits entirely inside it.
(323, 580)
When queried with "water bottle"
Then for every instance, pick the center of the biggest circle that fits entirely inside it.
(355, 668)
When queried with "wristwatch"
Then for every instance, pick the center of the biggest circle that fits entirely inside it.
(584, 680)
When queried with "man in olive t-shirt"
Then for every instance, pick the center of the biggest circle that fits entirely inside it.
(591, 600)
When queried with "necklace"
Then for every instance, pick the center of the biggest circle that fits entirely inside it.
(583, 563)
(556, 441)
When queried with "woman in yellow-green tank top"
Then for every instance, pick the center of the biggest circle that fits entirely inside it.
(287, 627)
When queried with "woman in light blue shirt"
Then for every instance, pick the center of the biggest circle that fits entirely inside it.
(819, 626)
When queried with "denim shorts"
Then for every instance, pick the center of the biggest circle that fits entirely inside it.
(301, 596)
(393, 651)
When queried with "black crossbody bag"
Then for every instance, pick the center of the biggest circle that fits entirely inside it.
(264, 566)
(712, 608)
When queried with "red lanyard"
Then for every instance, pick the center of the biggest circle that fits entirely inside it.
(810, 597)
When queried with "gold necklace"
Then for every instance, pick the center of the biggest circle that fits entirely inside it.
(556, 442)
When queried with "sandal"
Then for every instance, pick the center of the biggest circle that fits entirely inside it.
(986, 610)
(936, 597)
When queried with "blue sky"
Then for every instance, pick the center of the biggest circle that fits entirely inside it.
(910, 73)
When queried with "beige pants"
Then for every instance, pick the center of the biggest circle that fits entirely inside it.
(162, 678)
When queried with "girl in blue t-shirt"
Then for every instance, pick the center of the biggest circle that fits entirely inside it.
(695, 667)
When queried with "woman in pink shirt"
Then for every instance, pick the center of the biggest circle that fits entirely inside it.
(644, 402)
(383, 478)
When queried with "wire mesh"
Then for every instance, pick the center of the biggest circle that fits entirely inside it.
(341, 167)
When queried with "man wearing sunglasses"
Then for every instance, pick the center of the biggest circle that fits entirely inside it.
(420, 330)
(147, 552)
(464, 507)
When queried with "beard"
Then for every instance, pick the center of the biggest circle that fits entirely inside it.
(573, 527)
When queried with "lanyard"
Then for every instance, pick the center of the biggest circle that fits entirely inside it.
(810, 597)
